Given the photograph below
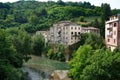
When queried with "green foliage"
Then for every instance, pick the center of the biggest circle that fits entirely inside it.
(95, 40)
(115, 11)
(57, 52)
(34, 15)
(9, 59)
(100, 64)
(106, 11)
(33, 20)
(95, 23)
(82, 19)
(38, 44)
(8, 72)
(22, 42)
(77, 64)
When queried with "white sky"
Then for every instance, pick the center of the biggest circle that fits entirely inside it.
(113, 3)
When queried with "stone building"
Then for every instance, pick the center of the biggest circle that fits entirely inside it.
(90, 29)
(68, 33)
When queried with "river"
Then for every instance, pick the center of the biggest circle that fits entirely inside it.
(31, 74)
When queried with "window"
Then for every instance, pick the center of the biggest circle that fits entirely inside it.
(75, 33)
(114, 40)
(75, 37)
(71, 27)
(78, 32)
(115, 24)
(75, 27)
(71, 32)
(108, 40)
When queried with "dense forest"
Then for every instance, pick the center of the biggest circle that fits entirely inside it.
(34, 15)
(19, 19)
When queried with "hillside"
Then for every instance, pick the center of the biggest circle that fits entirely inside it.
(34, 15)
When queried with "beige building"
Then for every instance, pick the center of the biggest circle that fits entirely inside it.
(112, 32)
(68, 33)
(65, 32)
(90, 29)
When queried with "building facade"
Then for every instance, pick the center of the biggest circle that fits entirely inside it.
(68, 33)
(90, 30)
(112, 32)
(65, 32)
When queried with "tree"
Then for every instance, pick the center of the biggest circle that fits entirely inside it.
(56, 52)
(95, 23)
(95, 40)
(103, 65)
(22, 42)
(60, 2)
(9, 59)
(33, 20)
(38, 44)
(77, 64)
(82, 19)
(106, 11)
(99, 64)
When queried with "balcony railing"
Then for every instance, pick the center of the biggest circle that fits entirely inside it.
(109, 28)
(110, 36)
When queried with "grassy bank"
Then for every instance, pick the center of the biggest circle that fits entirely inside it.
(44, 64)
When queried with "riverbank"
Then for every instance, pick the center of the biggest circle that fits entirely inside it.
(45, 66)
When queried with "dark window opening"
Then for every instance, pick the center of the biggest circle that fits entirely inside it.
(71, 32)
(108, 40)
(115, 24)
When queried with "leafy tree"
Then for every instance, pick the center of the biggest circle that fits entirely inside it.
(95, 23)
(22, 42)
(33, 20)
(60, 2)
(82, 19)
(95, 40)
(115, 11)
(56, 52)
(102, 65)
(38, 44)
(106, 11)
(10, 60)
(77, 64)
(20, 17)
(89, 64)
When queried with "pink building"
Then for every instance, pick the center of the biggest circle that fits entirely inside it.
(112, 32)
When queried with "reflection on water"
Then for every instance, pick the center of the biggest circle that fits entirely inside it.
(31, 74)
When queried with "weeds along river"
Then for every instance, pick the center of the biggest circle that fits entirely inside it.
(31, 74)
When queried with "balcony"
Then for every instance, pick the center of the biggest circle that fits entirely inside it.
(109, 28)
(110, 36)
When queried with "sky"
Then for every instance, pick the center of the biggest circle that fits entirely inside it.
(113, 3)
